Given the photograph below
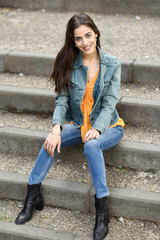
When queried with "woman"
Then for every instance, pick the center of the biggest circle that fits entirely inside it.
(87, 82)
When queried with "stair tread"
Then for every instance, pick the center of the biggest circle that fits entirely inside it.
(116, 30)
(44, 122)
(21, 80)
(79, 172)
(140, 91)
(127, 90)
(79, 223)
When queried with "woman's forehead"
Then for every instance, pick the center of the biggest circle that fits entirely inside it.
(82, 30)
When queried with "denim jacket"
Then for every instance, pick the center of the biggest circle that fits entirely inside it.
(105, 94)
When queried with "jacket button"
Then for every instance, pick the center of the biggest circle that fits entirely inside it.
(92, 118)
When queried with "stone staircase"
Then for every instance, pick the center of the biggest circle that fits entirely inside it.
(132, 167)
(23, 109)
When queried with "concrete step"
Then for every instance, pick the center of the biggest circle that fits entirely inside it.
(128, 154)
(141, 112)
(147, 91)
(135, 111)
(76, 196)
(107, 7)
(41, 64)
(12, 232)
(61, 223)
(27, 99)
(78, 170)
(124, 36)
(43, 122)
(140, 135)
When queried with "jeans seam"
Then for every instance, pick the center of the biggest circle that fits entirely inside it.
(44, 170)
(109, 139)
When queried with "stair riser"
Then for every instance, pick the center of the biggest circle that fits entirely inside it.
(112, 7)
(27, 104)
(137, 115)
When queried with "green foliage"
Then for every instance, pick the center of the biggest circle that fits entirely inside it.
(19, 111)
(6, 218)
(122, 168)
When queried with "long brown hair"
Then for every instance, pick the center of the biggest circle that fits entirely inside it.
(65, 59)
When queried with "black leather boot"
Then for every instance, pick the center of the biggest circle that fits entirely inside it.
(33, 201)
(102, 219)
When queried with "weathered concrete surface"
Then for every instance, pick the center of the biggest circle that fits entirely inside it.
(58, 193)
(30, 63)
(103, 6)
(41, 64)
(11, 231)
(148, 73)
(126, 72)
(128, 203)
(140, 112)
(135, 111)
(128, 154)
(27, 99)
(134, 155)
(3, 63)
(132, 203)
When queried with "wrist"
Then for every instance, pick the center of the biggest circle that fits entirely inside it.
(56, 129)
(55, 133)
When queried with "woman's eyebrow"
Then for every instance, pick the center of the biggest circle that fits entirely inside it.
(84, 35)
(87, 33)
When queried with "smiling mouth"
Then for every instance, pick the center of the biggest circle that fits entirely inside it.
(87, 48)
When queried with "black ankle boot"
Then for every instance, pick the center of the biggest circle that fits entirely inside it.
(33, 201)
(102, 219)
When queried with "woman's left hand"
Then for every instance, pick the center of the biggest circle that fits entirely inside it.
(91, 134)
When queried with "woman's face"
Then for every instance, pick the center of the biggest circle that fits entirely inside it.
(85, 39)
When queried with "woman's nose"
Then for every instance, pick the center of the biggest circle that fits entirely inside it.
(84, 41)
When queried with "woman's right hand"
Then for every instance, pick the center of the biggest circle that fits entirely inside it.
(53, 141)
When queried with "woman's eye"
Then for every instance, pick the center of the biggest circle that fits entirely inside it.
(77, 39)
(89, 35)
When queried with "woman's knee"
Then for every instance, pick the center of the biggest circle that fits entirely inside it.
(91, 146)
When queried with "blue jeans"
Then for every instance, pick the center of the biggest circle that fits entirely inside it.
(93, 150)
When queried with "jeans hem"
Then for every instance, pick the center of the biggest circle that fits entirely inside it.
(102, 195)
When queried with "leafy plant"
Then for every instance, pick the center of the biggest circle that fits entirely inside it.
(19, 111)
(4, 217)
(122, 168)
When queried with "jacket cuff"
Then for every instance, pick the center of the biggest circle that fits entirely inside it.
(99, 127)
(57, 121)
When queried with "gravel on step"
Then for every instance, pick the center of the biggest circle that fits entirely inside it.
(44, 123)
(81, 224)
(140, 91)
(128, 90)
(21, 80)
(79, 171)
(125, 36)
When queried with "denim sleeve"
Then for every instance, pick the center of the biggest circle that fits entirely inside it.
(109, 101)
(61, 107)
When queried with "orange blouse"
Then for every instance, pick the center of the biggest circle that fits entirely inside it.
(87, 105)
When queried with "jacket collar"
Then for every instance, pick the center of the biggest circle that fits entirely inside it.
(79, 61)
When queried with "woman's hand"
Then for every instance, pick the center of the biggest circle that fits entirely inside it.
(53, 140)
(90, 134)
